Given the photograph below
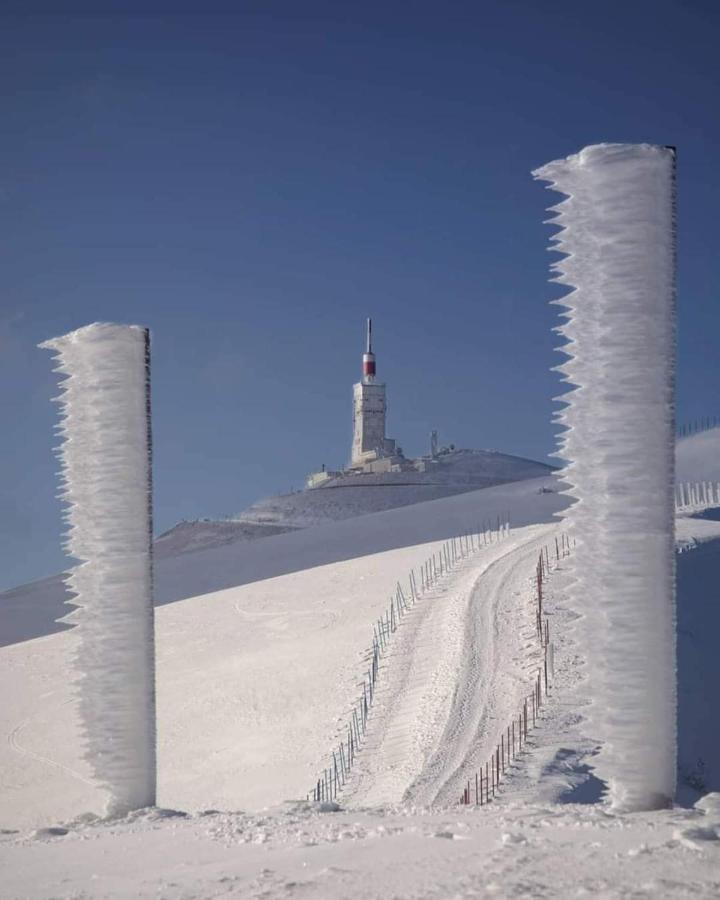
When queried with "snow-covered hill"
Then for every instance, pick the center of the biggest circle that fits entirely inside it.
(257, 670)
(254, 684)
(349, 495)
(698, 456)
(346, 495)
(30, 610)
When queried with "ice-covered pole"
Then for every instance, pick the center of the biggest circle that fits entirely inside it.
(106, 476)
(617, 238)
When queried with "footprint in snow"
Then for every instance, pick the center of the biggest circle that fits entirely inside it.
(697, 836)
(513, 838)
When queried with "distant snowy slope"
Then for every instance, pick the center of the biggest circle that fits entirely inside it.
(347, 495)
(187, 537)
(30, 610)
(697, 457)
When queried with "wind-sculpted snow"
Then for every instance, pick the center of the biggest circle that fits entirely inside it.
(617, 241)
(105, 477)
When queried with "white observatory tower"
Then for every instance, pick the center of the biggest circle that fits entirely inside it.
(369, 407)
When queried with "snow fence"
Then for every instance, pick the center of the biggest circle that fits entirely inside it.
(617, 237)
(419, 586)
(106, 483)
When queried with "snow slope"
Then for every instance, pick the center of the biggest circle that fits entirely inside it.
(531, 842)
(697, 457)
(30, 610)
(254, 673)
(254, 683)
(349, 494)
(462, 665)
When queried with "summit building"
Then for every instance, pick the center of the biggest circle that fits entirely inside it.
(369, 444)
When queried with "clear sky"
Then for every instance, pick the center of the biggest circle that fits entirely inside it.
(252, 185)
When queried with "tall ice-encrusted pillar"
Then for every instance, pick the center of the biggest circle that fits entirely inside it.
(107, 486)
(617, 240)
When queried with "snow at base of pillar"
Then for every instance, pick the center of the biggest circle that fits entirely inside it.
(618, 240)
(106, 483)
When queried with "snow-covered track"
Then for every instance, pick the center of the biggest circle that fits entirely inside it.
(463, 659)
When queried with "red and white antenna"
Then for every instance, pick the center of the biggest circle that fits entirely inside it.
(369, 357)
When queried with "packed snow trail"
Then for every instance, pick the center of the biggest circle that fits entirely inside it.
(457, 670)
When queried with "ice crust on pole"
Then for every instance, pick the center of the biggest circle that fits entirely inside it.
(106, 468)
(617, 240)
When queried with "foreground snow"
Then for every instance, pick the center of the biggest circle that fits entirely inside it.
(536, 850)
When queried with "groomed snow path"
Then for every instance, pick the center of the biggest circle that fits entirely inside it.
(453, 677)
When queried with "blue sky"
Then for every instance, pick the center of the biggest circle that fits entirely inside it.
(252, 185)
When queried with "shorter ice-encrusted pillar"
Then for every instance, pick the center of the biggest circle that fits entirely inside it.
(617, 239)
(106, 457)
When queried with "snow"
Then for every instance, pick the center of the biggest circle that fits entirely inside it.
(617, 241)
(255, 680)
(105, 478)
(29, 610)
(531, 850)
(348, 494)
(698, 457)
(457, 674)
(256, 676)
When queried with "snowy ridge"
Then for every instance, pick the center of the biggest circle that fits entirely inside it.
(617, 241)
(698, 456)
(349, 494)
(105, 478)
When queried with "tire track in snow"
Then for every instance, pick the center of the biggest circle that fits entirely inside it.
(438, 685)
(13, 741)
(499, 662)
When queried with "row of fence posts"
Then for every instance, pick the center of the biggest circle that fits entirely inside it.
(704, 423)
(697, 494)
(514, 737)
(450, 554)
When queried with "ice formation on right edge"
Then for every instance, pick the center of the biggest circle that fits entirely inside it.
(617, 238)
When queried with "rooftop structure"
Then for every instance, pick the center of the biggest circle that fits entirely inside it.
(369, 442)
